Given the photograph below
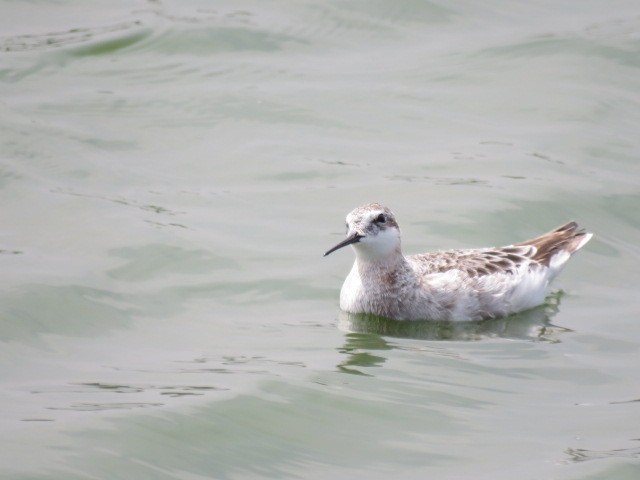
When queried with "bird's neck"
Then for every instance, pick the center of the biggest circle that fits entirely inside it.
(394, 260)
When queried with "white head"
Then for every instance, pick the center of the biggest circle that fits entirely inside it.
(372, 231)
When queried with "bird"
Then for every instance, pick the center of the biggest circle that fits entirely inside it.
(448, 285)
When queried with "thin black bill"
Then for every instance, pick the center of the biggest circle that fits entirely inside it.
(355, 238)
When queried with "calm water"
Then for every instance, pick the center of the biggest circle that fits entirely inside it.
(171, 173)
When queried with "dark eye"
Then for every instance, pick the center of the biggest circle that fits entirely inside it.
(381, 218)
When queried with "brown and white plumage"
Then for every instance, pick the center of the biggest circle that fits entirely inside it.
(452, 284)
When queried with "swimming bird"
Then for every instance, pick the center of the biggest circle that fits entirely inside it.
(460, 285)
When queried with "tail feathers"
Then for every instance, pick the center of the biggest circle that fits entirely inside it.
(555, 247)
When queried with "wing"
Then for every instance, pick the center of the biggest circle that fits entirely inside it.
(532, 254)
(479, 262)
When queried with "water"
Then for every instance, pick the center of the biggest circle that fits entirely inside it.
(171, 173)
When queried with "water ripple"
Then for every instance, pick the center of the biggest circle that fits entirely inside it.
(123, 35)
(583, 455)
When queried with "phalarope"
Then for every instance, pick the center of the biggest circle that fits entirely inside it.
(447, 285)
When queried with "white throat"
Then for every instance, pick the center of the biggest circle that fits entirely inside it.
(380, 247)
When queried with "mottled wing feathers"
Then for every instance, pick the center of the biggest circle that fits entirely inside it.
(476, 263)
(497, 260)
(533, 253)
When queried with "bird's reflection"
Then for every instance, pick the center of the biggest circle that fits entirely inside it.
(358, 348)
(365, 333)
